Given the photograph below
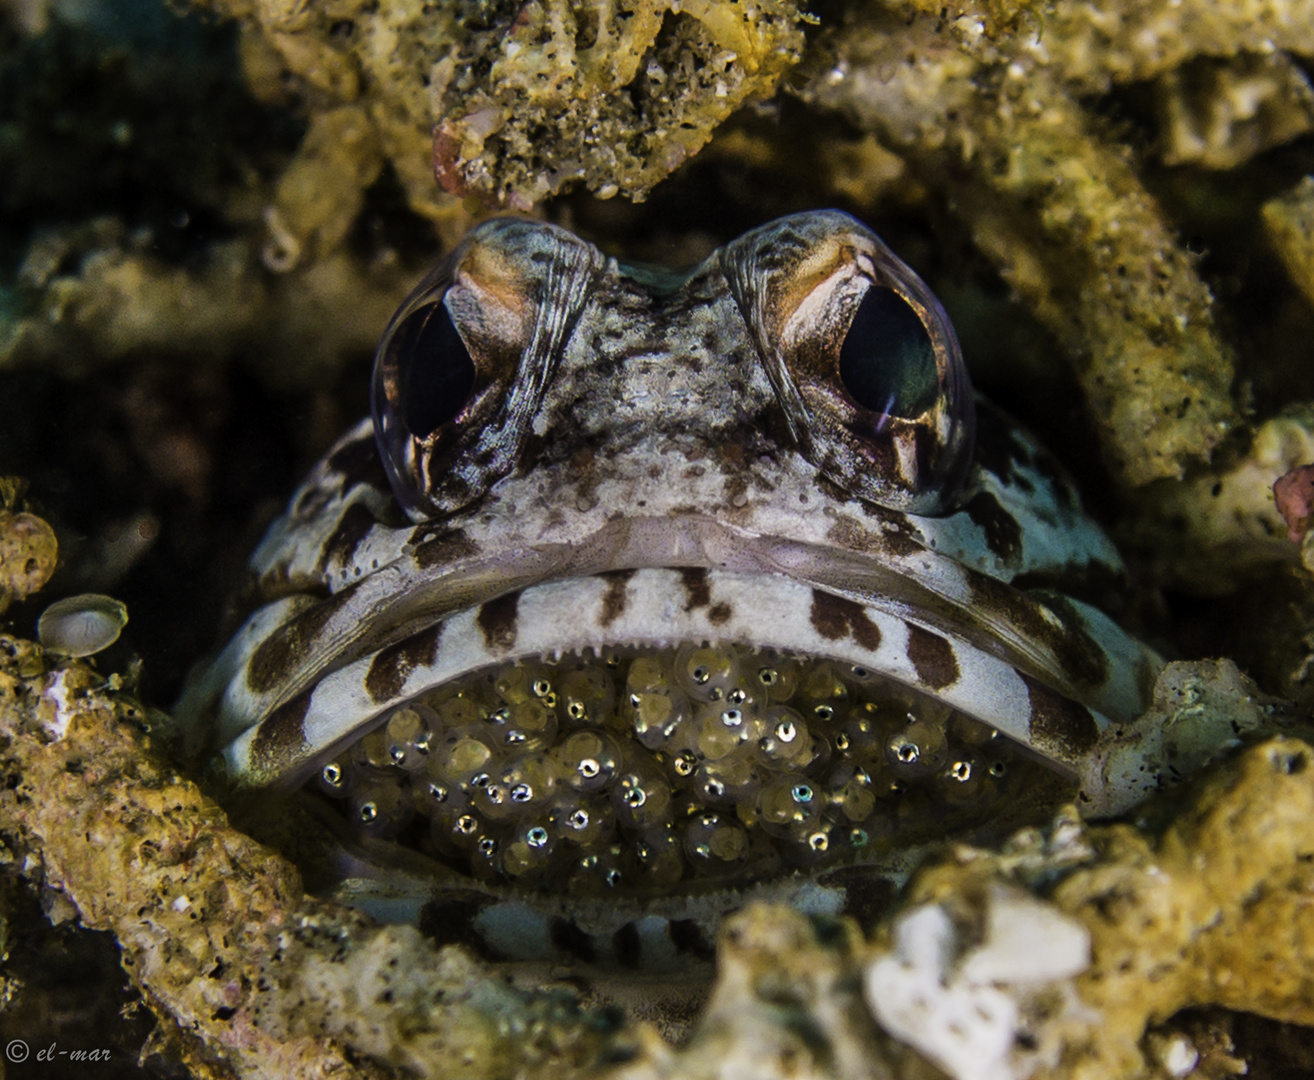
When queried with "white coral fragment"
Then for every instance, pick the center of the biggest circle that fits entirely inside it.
(966, 1010)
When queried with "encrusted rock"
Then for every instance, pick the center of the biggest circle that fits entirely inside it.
(28, 553)
(1211, 532)
(1220, 113)
(1289, 223)
(260, 980)
(522, 99)
(565, 93)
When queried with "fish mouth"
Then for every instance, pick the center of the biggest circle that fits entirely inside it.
(660, 731)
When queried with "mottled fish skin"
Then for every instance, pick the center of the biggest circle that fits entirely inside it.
(652, 457)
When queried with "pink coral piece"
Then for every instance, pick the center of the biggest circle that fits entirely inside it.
(1294, 495)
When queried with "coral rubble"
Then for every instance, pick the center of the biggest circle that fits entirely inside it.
(627, 95)
(1289, 223)
(110, 297)
(28, 550)
(523, 99)
(1212, 531)
(1220, 113)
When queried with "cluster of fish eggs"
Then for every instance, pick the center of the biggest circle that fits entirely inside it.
(646, 769)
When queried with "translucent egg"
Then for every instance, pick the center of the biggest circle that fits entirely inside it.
(524, 682)
(714, 842)
(433, 795)
(647, 674)
(811, 843)
(586, 696)
(776, 679)
(527, 852)
(597, 873)
(917, 750)
(722, 728)
(457, 715)
(455, 830)
(656, 715)
(859, 738)
(819, 759)
(707, 674)
(331, 780)
(410, 733)
(788, 803)
(641, 797)
(852, 792)
(965, 781)
(486, 857)
(785, 742)
(530, 780)
(530, 724)
(659, 857)
(582, 820)
(821, 685)
(588, 760)
(373, 750)
(461, 760)
(380, 806)
(726, 782)
(680, 764)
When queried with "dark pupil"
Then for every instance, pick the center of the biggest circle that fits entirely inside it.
(434, 367)
(887, 362)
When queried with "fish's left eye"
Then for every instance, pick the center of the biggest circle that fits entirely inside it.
(862, 358)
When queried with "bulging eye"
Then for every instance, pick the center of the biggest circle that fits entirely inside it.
(862, 358)
(436, 395)
(462, 366)
(435, 373)
(887, 360)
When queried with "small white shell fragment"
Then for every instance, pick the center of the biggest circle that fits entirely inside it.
(966, 1030)
(1026, 941)
(82, 625)
(965, 1011)
(1178, 1057)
